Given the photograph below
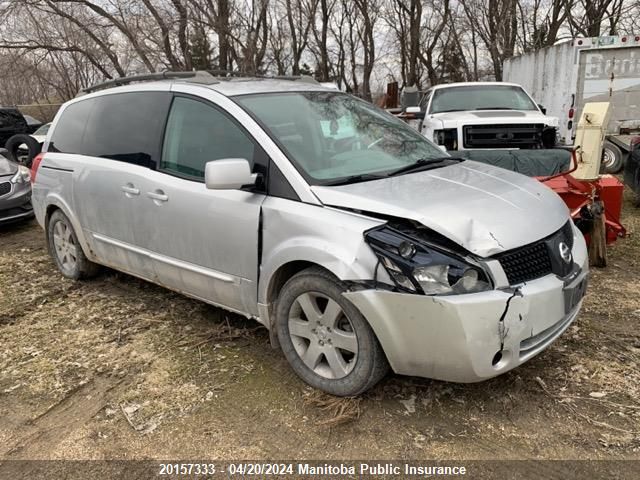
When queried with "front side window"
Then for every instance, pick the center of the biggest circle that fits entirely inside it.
(331, 135)
(198, 133)
(480, 97)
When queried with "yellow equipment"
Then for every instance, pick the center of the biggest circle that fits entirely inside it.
(589, 138)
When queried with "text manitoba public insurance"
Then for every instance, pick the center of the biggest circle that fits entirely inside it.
(379, 469)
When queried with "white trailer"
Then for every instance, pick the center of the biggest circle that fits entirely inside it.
(565, 76)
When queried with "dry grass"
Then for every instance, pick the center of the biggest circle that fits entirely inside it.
(334, 410)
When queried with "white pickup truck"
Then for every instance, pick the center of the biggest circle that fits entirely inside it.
(483, 115)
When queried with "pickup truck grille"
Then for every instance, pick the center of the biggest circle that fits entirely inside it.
(5, 188)
(537, 259)
(527, 135)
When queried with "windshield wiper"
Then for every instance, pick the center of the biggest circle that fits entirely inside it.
(424, 164)
(364, 177)
(495, 108)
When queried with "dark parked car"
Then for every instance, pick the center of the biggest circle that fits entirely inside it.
(11, 123)
(15, 191)
(632, 170)
(33, 123)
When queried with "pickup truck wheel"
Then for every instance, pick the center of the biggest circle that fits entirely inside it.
(66, 250)
(612, 159)
(324, 337)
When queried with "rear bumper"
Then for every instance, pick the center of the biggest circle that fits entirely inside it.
(467, 338)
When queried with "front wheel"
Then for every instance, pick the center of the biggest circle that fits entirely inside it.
(324, 337)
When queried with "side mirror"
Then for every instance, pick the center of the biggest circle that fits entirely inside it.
(415, 112)
(542, 109)
(228, 174)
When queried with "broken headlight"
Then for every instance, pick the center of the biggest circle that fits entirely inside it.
(447, 137)
(415, 266)
(23, 175)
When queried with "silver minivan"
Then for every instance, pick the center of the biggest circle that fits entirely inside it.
(358, 243)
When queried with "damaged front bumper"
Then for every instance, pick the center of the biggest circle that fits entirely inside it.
(472, 337)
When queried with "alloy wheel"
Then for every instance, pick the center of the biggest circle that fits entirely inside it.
(322, 335)
(65, 246)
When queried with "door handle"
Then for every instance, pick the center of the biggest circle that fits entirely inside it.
(158, 196)
(129, 189)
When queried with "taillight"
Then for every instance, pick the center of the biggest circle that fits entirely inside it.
(34, 166)
(571, 112)
(635, 142)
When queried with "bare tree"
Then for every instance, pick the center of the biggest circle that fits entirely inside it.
(496, 23)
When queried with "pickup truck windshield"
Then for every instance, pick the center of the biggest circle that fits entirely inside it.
(333, 137)
(480, 97)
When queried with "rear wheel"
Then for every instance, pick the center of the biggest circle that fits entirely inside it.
(612, 158)
(66, 250)
(324, 337)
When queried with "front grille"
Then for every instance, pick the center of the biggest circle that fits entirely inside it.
(537, 259)
(5, 188)
(526, 263)
(526, 135)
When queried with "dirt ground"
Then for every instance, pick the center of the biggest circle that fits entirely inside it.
(117, 368)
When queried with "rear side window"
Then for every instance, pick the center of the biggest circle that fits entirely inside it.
(67, 136)
(197, 133)
(124, 126)
(127, 127)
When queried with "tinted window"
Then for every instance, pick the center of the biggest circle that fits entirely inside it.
(127, 127)
(67, 136)
(197, 133)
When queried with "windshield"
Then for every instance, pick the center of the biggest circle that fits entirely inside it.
(481, 97)
(332, 135)
(42, 130)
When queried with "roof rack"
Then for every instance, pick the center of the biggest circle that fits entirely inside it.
(147, 77)
(208, 77)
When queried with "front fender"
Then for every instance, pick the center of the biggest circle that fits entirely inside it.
(328, 237)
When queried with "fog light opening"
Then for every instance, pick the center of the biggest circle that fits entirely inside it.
(496, 358)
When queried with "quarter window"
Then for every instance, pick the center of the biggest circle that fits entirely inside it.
(67, 135)
(198, 133)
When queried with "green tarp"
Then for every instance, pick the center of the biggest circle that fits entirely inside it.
(533, 163)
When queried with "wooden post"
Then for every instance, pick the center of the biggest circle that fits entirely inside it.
(598, 237)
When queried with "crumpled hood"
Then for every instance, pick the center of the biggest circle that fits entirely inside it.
(7, 167)
(485, 209)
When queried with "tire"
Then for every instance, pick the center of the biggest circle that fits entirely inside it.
(328, 319)
(33, 148)
(65, 249)
(612, 158)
